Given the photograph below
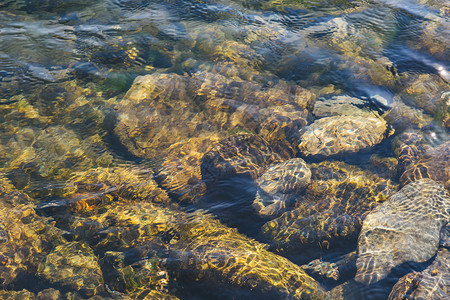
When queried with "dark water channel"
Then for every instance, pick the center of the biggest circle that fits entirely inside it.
(224, 149)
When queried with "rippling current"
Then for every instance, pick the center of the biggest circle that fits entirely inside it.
(224, 149)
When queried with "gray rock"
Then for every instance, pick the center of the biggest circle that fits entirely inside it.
(405, 228)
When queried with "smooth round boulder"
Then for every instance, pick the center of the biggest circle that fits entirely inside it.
(341, 135)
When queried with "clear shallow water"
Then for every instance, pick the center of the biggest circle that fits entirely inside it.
(66, 68)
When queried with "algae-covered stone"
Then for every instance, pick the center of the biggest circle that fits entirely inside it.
(386, 167)
(424, 91)
(403, 117)
(74, 265)
(50, 294)
(242, 154)
(408, 148)
(279, 184)
(17, 295)
(279, 126)
(405, 286)
(431, 283)
(405, 228)
(78, 108)
(341, 134)
(197, 248)
(209, 251)
(162, 109)
(331, 210)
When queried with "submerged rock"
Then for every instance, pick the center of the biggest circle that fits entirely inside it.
(92, 190)
(341, 134)
(433, 164)
(431, 283)
(331, 210)
(191, 247)
(162, 109)
(331, 270)
(408, 148)
(343, 106)
(25, 238)
(279, 126)
(242, 154)
(179, 172)
(157, 111)
(74, 266)
(17, 295)
(279, 184)
(405, 286)
(419, 160)
(209, 251)
(403, 117)
(405, 228)
(134, 277)
(53, 153)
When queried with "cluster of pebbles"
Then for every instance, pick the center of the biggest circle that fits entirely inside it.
(119, 230)
(111, 229)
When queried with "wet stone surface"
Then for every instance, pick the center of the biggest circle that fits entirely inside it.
(388, 238)
(341, 135)
(242, 155)
(431, 283)
(75, 266)
(331, 209)
(225, 149)
(279, 184)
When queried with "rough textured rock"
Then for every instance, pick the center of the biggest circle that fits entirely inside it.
(408, 148)
(341, 134)
(405, 228)
(17, 295)
(403, 117)
(279, 126)
(157, 111)
(279, 184)
(331, 210)
(405, 286)
(206, 249)
(124, 274)
(162, 109)
(432, 283)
